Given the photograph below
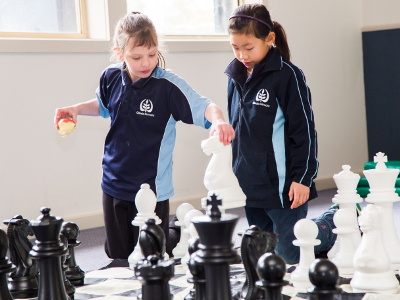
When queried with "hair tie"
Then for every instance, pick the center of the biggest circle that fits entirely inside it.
(248, 17)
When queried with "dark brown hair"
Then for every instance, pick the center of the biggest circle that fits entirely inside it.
(139, 27)
(247, 26)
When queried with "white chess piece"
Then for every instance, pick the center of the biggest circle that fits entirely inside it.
(219, 178)
(306, 232)
(347, 198)
(193, 233)
(383, 194)
(343, 260)
(182, 247)
(373, 272)
(188, 217)
(145, 202)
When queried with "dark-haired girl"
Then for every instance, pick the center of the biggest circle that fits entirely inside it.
(275, 148)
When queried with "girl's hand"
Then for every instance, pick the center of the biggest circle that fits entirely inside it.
(299, 194)
(65, 113)
(224, 130)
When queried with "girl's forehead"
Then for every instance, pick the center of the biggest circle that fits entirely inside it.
(131, 48)
(242, 39)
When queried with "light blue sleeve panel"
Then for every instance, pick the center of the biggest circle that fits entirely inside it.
(102, 110)
(197, 102)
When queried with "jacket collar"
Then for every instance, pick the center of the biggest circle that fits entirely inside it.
(271, 62)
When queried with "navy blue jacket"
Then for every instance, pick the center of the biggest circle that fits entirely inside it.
(276, 141)
(139, 145)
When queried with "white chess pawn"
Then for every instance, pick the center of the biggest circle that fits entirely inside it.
(306, 232)
(219, 178)
(193, 233)
(343, 260)
(182, 247)
(372, 266)
(347, 198)
(382, 183)
(145, 202)
(188, 217)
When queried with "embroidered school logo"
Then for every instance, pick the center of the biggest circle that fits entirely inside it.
(262, 98)
(146, 107)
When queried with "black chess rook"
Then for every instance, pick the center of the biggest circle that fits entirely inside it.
(216, 251)
(48, 251)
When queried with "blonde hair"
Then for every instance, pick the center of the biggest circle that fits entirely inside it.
(140, 28)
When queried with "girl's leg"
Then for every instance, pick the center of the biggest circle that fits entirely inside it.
(162, 211)
(325, 235)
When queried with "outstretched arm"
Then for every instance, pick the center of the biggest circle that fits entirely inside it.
(89, 108)
(224, 130)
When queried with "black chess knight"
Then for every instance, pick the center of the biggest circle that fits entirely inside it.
(153, 271)
(216, 251)
(23, 283)
(5, 267)
(48, 251)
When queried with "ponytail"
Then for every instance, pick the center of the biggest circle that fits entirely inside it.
(281, 41)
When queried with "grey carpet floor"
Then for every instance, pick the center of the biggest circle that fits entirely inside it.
(91, 256)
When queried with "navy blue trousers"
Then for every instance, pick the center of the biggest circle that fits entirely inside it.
(281, 221)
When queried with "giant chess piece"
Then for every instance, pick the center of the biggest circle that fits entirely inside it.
(373, 272)
(324, 276)
(153, 271)
(343, 260)
(181, 248)
(48, 251)
(216, 251)
(69, 288)
(198, 292)
(271, 269)
(145, 202)
(192, 234)
(73, 272)
(5, 267)
(347, 198)
(383, 194)
(219, 178)
(254, 245)
(306, 232)
(23, 283)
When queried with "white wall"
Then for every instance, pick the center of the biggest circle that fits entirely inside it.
(378, 15)
(38, 167)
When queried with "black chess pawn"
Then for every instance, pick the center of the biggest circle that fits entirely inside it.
(48, 251)
(216, 251)
(69, 288)
(5, 267)
(74, 273)
(254, 245)
(198, 292)
(153, 271)
(324, 276)
(24, 282)
(271, 269)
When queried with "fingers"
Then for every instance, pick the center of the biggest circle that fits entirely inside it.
(63, 113)
(226, 133)
(299, 199)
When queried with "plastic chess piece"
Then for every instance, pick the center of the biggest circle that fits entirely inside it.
(372, 265)
(216, 251)
(198, 292)
(23, 283)
(194, 236)
(324, 276)
(188, 217)
(5, 267)
(347, 198)
(271, 269)
(219, 178)
(48, 251)
(153, 271)
(306, 232)
(181, 248)
(69, 288)
(383, 194)
(73, 272)
(145, 202)
(254, 245)
(343, 220)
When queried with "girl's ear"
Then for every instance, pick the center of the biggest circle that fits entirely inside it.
(270, 38)
(118, 53)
